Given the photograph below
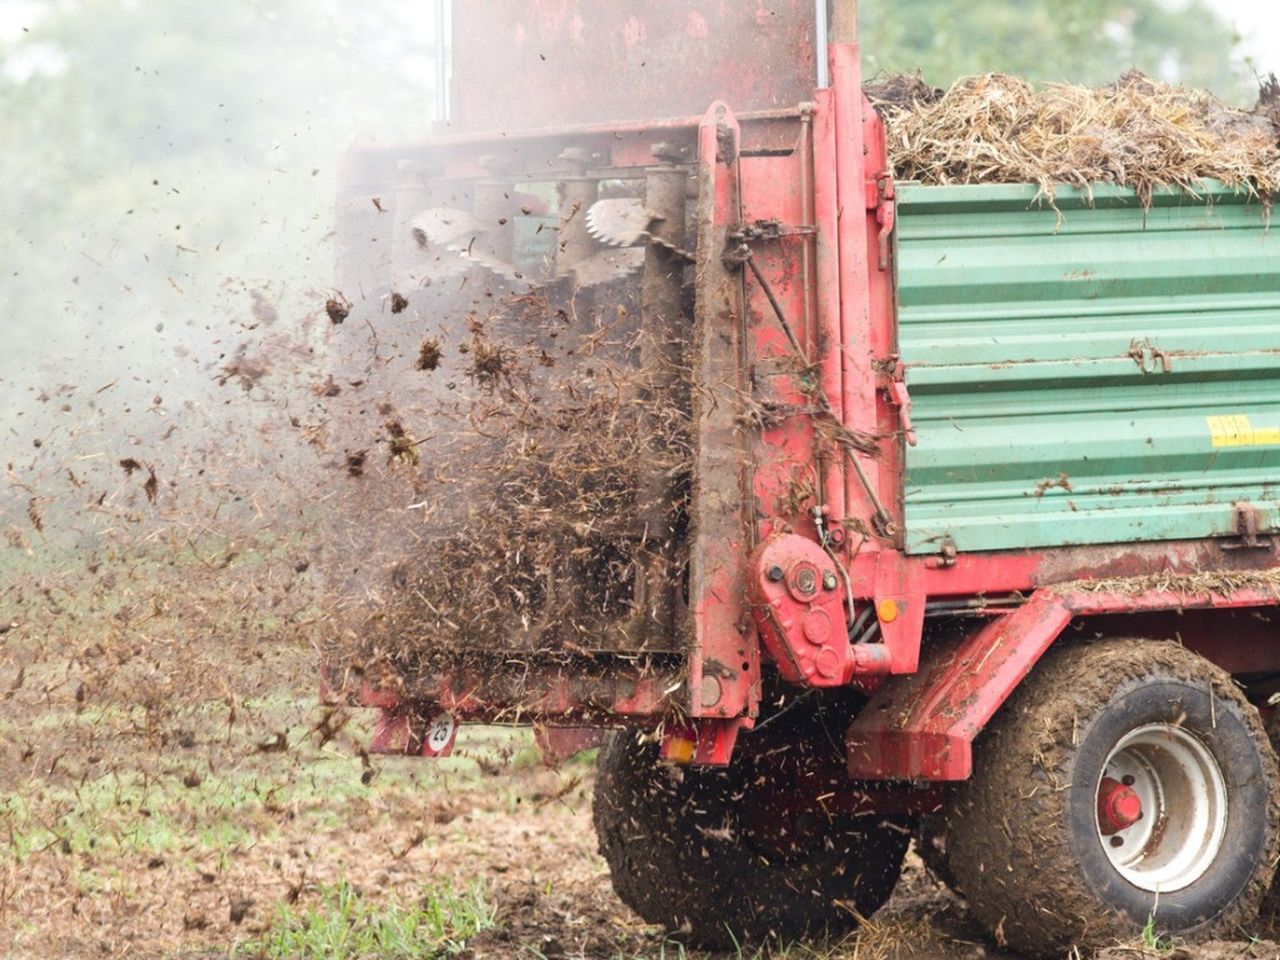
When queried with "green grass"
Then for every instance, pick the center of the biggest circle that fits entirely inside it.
(1153, 940)
(126, 811)
(113, 815)
(345, 925)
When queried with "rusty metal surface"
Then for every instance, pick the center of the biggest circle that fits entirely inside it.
(724, 665)
(521, 64)
(602, 691)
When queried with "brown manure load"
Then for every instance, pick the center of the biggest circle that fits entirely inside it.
(1136, 132)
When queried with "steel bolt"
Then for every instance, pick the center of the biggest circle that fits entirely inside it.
(829, 581)
(775, 574)
(1127, 781)
(806, 581)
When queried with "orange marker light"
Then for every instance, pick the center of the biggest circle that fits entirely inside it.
(887, 610)
(678, 750)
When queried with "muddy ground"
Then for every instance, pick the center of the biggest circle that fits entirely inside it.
(189, 834)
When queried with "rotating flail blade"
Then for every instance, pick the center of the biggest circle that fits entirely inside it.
(620, 222)
(455, 240)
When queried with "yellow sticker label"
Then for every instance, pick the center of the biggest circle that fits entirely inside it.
(1235, 430)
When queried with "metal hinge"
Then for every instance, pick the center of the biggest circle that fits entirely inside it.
(1247, 527)
(900, 397)
(886, 208)
(1149, 357)
(947, 554)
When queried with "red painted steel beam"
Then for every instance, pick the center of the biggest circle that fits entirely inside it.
(844, 21)
(1084, 602)
(854, 335)
(826, 218)
(922, 726)
(1027, 570)
(724, 655)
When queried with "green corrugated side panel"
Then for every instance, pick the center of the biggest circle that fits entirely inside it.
(1095, 374)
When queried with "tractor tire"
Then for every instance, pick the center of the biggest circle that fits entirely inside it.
(931, 847)
(1127, 784)
(679, 855)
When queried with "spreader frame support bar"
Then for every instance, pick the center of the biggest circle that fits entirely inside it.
(922, 726)
(724, 656)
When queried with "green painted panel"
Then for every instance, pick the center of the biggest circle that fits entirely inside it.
(1094, 374)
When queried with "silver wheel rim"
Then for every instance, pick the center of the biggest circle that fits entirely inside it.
(1183, 817)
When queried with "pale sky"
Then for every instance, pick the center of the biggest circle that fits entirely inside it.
(1259, 23)
(1257, 20)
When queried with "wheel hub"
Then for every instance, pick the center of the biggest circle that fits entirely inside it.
(1161, 808)
(1119, 807)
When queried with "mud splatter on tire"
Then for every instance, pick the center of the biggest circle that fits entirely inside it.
(1023, 835)
(677, 854)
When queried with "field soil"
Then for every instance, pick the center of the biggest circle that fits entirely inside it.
(132, 832)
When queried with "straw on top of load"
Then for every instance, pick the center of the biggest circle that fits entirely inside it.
(1136, 132)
